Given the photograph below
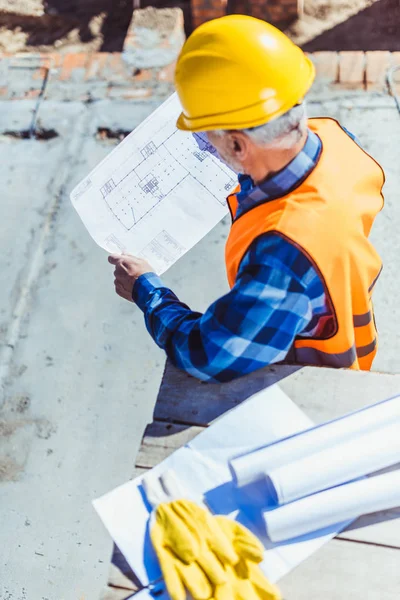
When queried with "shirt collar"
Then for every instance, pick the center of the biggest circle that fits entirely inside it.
(283, 182)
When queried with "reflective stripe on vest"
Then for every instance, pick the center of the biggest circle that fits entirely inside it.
(329, 218)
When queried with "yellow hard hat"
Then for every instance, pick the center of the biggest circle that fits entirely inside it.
(237, 72)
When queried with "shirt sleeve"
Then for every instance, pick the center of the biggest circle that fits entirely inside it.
(251, 326)
(352, 136)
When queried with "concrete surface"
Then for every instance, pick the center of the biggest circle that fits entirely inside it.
(79, 373)
(154, 38)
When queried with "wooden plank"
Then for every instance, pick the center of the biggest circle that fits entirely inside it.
(116, 578)
(338, 570)
(345, 570)
(121, 574)
(322, 393)
(325, 394)
(183, 399)
(382, 527)
(162, 439)
(137, 471)
(112, 593)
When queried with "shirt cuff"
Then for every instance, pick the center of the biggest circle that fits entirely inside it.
(144, 285)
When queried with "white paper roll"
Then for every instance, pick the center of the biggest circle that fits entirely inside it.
(252, 466)
(339, 464)
(337, 505)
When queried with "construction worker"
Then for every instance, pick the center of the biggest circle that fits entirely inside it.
(299, 262)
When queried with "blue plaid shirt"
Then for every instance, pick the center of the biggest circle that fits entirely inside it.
(277, 296)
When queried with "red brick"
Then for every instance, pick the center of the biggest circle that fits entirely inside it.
(142, 75)
(116, 69)
(208, 13)
(95, 65)
(203, 10)
(40, 73)
(31, 94)
(53, 60)
(72, 62)
(377, 64)
(275, 13)
(126, 93)
(326, 65)
(242, 8)
(352, 69)
(45, 63)
(167, 73)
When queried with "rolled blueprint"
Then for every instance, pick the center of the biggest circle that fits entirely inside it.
(337, 505)
(252, 466)
(362, 455)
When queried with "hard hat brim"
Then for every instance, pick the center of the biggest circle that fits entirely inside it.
(250, 116)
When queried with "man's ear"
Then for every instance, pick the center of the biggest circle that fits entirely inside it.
(240, 145)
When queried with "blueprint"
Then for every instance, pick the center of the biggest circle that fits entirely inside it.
(156, 194)
(203, 467)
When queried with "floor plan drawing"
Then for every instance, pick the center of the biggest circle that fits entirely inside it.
(161, 169)
(158, 192)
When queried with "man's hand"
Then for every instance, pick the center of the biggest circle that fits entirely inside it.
(127, 270)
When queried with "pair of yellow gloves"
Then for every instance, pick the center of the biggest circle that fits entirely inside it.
(208, 557)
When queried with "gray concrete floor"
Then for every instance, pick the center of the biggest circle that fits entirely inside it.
(79, 373)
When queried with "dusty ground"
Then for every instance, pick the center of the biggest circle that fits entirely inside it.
(70, 25)
(79, 372)
(348, 25)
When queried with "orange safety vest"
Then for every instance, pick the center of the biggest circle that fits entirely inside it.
(328, 217)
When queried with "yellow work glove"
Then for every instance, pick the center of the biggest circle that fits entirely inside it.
(209, 557)
(191, 549)
(246, 581)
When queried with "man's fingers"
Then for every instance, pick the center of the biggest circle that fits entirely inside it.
(124, 266)
(114, 259)
(128, 261)
(118, 271)
(123, 293)
(118, 284)
(124, 262)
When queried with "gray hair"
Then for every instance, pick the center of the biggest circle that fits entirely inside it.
(284, 132)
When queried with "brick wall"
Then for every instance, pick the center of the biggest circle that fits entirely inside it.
(205, 10)
(273, 11)
(97, 76)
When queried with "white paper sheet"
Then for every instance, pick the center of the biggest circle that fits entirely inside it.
(253, 466)
(203, 467)
(342, 463)
(156, 194)
(338, 504)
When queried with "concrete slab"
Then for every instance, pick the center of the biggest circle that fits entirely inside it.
(379, 130)
(376, 122)
(79, 390)
(80, 373)
(15, 116)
